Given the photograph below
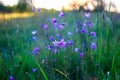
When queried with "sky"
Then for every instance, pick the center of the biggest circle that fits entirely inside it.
(56, 4)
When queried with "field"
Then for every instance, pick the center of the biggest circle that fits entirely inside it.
(29, 48)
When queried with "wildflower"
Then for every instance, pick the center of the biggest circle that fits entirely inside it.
(70, 42)
(38, 10)
(69, 33)
(93, 46)
(62, 43)
(61, 14)
(45, 26)
(11, 78)
(54, 20)
(81, 55)
(76, 49)
(34, 38)
(50, 47)
(76, 29)
(84, 31)
(51, 38)
(34, 32)
(87, 15)
(55, 43)
(34, 70)
(93, 34)
(55, 50)
(60, 27)
(90, 24)
(36, 50)
(33, 9)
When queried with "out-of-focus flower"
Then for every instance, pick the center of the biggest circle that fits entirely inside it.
(38, 10)
(55, 43)
(34, 70)
(69, 33)
(90, 24)
(93, 46)
(54, 20)
(70, 42)
(36, 50)
(60, 27)
(33, 9)
(34, 32)
(62, 43)
(87, 15)
(45, 26)
(50, 47)
(93, 34)
(11, 78)
(81, 55)
(61, 14)
(34, 38)
(84, 31)
(55, 50)
(76, 49)
(51, 38)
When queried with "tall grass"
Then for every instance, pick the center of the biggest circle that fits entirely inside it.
(18, 60)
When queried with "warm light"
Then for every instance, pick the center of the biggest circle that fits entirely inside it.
(58, 4)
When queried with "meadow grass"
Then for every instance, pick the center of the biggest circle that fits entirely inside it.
(16, 49)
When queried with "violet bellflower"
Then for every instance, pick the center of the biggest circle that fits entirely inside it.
(54, 20)
(61, 14)
(87, 15)
(93, 46)
(81, 55)
(11, 78)
(55, 43)
(62, 44)
(93, 34)
(76, 49)
(34, 70)
(36, 50)
(45, 26)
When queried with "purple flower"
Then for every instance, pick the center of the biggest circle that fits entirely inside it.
(84, 31)
(62, 43)
(34, 32)
(87, 15)
(76, 29)
(61, 14)
(51, 38)
(54, 20)
(90, 24)
(36, 50)
(50, 47)
(11, 78)
(60, 27)
(45, 26)
(93, 46)
(55, 50)
(34, 70)
(70, 42)
(34, 38)
(93, 34)
(55, 43)
(76, 49)
(69, 33)
(38, 10)
(33, 9)
(81, 55)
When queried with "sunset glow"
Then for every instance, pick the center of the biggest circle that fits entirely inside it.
(58, 4)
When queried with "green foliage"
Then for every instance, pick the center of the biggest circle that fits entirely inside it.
(16, 47)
